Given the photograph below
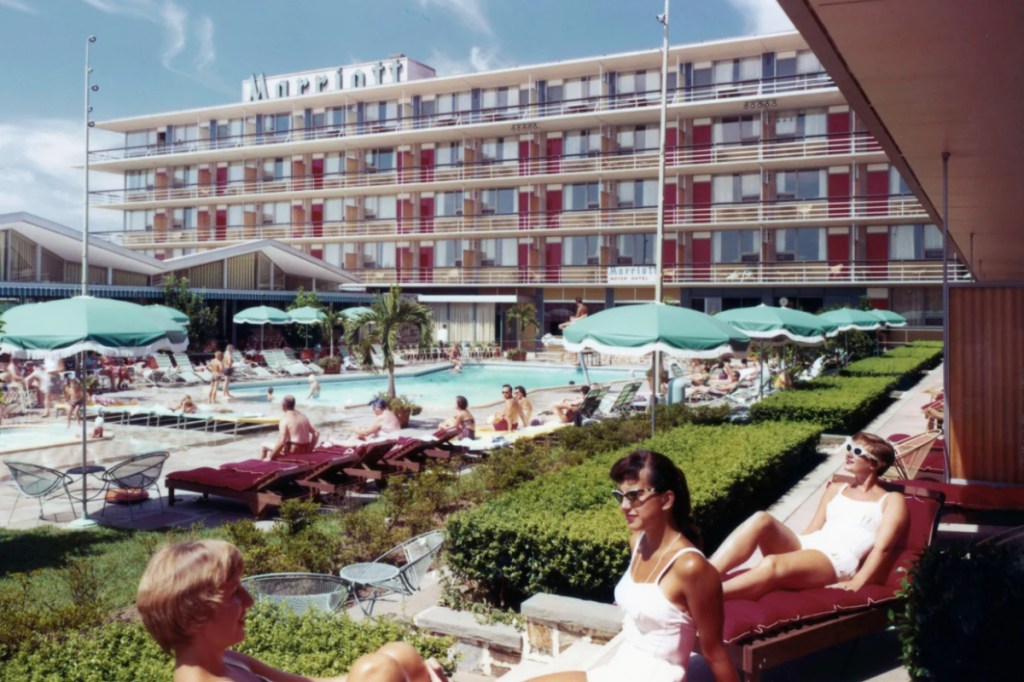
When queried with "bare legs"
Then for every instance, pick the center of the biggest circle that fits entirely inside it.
(571, 676)
(395, 662)
(784, 566)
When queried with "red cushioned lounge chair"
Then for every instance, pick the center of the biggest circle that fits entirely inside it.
(412, 454)
(260, 484)
(784, 625)
(330, 465)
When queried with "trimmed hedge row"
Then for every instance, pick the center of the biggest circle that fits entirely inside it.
(845, 404)
(885, 365)
(315, 644)
(563, 533)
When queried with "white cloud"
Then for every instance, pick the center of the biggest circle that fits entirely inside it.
(479, 59)
(19, 5)
(762, 16)
(469, 12)
(38, 173)
(206, 54)
(173, 18)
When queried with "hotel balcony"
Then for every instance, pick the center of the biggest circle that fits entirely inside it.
(878, 210)
(730, 158)
(817, 89)
(818, 273)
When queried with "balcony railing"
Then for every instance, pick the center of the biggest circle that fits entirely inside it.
(761, 88)
(676, 158)
(724, 274)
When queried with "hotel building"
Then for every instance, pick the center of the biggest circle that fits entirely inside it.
(540, 184)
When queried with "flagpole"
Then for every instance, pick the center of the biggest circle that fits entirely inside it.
(660, 229)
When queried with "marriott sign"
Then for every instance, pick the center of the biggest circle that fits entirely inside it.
(392, 70)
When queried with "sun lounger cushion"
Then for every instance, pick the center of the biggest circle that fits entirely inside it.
(784, 608)
(220, 478)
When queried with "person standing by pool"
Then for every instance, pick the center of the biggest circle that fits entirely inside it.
(385, 422)
(442, 336)
(216, 369)
(455, 356)
(228, 369)
(314, 388)
(297, 433)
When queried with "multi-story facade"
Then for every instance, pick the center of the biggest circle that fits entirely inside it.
(541, 181)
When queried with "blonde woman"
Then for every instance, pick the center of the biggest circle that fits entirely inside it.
(192, 602)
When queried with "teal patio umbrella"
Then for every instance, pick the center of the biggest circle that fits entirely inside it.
(306, 315)
(168, 311)
(353, 313)
(890, 318)
(851, 319)
(176, 332)
(261, 315)
(778, 325)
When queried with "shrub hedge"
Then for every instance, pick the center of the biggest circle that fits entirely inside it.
(845, 404)
(905, 369)
(563, 534)
(315, 644)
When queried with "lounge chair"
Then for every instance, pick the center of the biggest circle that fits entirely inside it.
(624, 401)
(784, 625)
(911, 452)
(39, 482)
(190, 372)
(278, 362)
(377, 353)
(259, 484)
(168, 374)
(412, 454)
(349, 466)
(413, 558)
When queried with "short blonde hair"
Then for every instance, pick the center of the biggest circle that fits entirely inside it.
(183, 586)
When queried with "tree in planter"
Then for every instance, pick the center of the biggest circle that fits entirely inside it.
(522, 316)
(308, 299)
(381, 326)
(202, 319)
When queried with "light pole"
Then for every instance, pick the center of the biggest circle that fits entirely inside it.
(84, 521)
(660, 223)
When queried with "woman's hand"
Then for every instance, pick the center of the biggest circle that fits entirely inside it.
(848, 585)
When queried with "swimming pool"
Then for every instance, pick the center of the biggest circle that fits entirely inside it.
(18, 438)
(481, 384)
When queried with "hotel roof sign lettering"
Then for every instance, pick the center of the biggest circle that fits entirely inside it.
(392, 70)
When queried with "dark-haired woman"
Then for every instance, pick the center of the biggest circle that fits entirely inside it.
(854, 531)
(670, 594)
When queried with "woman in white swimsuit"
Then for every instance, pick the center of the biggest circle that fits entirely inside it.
(192, 602)
(855, 529)
(670, 593)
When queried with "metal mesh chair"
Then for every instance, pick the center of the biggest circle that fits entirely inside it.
(299, 591)
(34, 480)
(140, 472)
(413, 559)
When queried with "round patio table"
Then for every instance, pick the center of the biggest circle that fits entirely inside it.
(94, 493)
(372, 576)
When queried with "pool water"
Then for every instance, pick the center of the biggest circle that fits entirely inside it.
(481, 384)
(16, 438)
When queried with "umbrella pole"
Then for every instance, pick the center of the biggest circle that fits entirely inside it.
(655, 380)
(83, 521)
(583, 366)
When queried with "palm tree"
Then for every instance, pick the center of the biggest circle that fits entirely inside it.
(381, 326)
(522, 316)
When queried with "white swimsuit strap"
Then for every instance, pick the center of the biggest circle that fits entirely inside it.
(673, 560)
(636, 549)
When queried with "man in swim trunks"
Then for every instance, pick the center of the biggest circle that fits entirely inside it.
(297, 433)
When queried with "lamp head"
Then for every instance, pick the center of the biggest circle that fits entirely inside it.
(92, 39)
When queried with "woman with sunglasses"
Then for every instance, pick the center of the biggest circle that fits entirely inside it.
(855, 529)
(670, 594)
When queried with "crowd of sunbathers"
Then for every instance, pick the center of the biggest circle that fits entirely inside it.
(193, 603)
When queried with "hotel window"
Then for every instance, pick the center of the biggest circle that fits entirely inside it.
(499, 201)
(448, 253)
(897, 185)
(379, 255)
(334, 211)
(276, 126)
(581, 250)
(637, 193)
(737, 130)
(138, 181)
(801, 184)
(380, 208)
(735, 246)
(184, 176)
(138, 142)
(499, 252)
(635, 249)
(638, 139)
(236, 215)
(703, 77)
(575, 90)
(581, 143)
(800, 244)
(737, 70)
(449, 154)
(448, 204)
(380, 160)
(500, 150)
(382, 114)
(229, 133)
(582, 196)
(428, 108)
(184, 219)
(236, 174)
(734, 189)
(500, 100)
(640, 85)
(334, 165)
(792, 69)
(915, 242)
(276, 213)
(452, 104)
(801, 124)
(274, 170)
(184, 136)
(139, 220)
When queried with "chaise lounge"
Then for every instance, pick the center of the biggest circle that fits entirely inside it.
(257, 483)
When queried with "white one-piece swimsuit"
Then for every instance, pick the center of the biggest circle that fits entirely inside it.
(848, 534)
(658, 637)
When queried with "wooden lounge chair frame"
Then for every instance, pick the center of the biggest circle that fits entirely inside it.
(754, 654)
(911, 453)
(266, 492)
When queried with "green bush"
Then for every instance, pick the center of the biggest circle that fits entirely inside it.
(313, 643)
(885, 365)
(563, 534)
(932, 355)
(961, 618)
(844, 404)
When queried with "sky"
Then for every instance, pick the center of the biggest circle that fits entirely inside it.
(154, 56)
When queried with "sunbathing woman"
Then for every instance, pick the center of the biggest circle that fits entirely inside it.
(670, 594)
(187, 406)
(853, 521)
(193, 604)
(462, 420)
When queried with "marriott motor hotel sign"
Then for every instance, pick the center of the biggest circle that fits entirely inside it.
(392, 70)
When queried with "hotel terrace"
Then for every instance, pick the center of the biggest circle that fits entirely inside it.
(539, 183)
